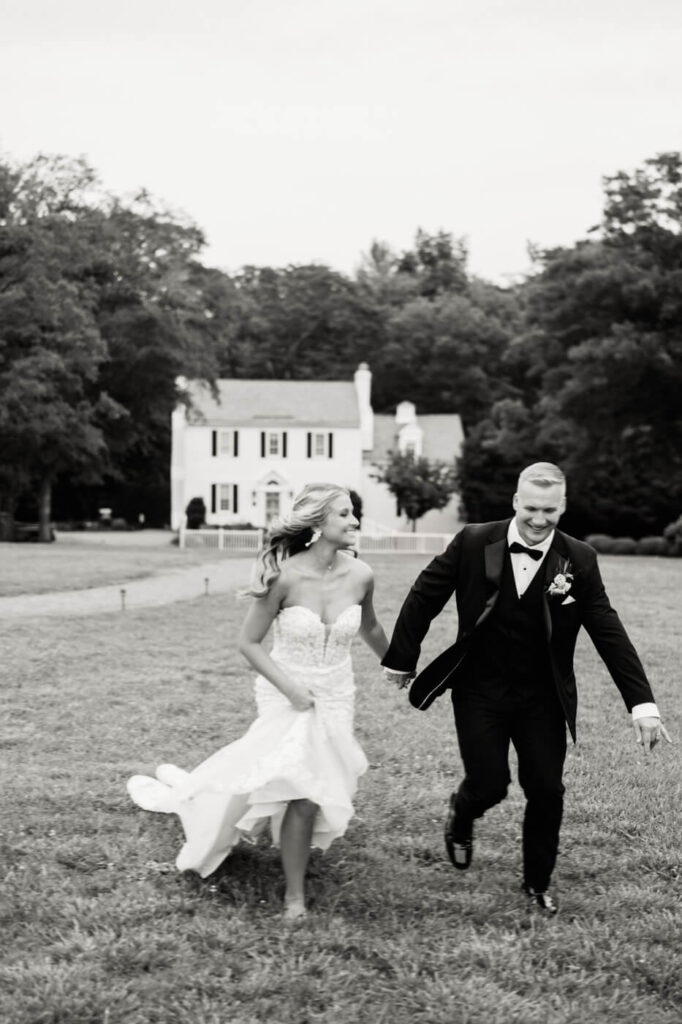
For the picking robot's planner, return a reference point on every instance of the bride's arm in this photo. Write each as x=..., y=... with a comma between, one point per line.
x=371, y=630
x=259, y=618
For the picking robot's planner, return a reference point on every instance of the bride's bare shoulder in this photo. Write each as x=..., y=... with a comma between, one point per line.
x=291, y=568
x=360, y=569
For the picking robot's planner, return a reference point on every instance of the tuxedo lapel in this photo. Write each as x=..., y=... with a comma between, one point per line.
x=494, y=563
x=555, y=562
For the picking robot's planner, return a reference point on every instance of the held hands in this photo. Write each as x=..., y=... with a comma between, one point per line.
x=648, y=731
x=401, y=679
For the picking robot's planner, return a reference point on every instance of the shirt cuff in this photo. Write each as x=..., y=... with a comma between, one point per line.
x=645, y=711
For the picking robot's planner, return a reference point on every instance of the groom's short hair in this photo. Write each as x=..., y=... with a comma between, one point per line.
x=542, y=474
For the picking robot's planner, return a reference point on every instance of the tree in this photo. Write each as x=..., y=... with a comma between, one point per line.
x=445, y=334
x=99, y=313
x=436, y=265
x=437, y=262
x=444, y=355
x=646, y=205
x=418, y=484
x=51, y=415
x=302, y=323
x=152, y=314
x=598, y=366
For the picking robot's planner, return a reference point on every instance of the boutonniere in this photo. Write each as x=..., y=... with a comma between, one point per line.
x=561, y=584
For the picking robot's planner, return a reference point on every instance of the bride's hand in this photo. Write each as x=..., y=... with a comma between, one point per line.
x=301, y=698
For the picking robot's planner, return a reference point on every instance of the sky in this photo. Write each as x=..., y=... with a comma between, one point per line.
x=299, y=131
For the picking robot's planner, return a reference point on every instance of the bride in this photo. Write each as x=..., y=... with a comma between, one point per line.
x=298, y=764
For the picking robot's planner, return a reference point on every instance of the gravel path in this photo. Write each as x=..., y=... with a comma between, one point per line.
x=180, y=585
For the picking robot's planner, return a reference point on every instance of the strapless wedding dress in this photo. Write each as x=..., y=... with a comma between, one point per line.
x=285, y=754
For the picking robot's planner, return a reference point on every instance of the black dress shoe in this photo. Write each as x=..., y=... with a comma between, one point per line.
x=459, y=839
x=541, y=902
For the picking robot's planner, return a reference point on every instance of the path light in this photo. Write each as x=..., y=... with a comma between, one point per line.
x=205, y=586
x=123, y=600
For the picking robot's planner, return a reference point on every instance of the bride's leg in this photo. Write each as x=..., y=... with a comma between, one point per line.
x=297, y=831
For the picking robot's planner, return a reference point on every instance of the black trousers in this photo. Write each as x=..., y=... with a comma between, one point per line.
x=491, y=715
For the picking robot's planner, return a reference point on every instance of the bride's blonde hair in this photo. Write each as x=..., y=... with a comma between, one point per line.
x=292, y=533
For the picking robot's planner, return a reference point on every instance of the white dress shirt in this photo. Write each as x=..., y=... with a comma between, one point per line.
x=523, y=565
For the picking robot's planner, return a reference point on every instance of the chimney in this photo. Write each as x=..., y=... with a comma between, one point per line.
x=363, y=390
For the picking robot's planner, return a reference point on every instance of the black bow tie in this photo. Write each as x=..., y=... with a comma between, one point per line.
x=515, y=547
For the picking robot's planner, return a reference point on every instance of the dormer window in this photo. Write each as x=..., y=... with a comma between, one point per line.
x=410, y=438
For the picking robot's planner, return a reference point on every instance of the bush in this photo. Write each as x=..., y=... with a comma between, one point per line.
x=196, y=513
x=6, y=526
x=623, y=546
x=605, y=545
x=601, y=542
x=653, y=546
x=673, y=535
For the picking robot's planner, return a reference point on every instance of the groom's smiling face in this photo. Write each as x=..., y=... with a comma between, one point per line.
x=538, y=510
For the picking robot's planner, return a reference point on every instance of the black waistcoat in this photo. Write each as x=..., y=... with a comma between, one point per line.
x=512, y=645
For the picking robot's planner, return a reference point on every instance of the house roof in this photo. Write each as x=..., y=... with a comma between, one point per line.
x=242, y=403
x=442, y=438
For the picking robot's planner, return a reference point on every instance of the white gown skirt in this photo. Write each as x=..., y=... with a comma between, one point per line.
x=285, y=755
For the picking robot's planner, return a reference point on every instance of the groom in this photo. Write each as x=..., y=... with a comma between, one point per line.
x=523, y=591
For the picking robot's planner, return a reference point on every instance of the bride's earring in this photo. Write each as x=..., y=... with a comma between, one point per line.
x=315, y=536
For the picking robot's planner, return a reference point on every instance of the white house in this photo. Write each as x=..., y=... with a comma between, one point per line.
x=248, y=448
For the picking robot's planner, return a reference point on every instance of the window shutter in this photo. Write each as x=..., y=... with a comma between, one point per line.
x=284, y=444
x=310, y=445
x=262, y=444
x=214, y=442
x=213, y=498
x=235, y=444
x=331, y=445
x=235, y=501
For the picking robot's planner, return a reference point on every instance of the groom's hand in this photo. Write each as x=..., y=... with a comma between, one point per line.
x=648, y=731
x=401, y=679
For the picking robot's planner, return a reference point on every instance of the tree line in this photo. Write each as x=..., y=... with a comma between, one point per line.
x=105, y=302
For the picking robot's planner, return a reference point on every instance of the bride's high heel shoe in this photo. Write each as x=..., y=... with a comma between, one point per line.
x=294, y=909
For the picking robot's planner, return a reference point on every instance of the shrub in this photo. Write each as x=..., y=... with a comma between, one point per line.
x=653, y=546
x=601, y=542
x=623, y=546
x=605, y=545
x=673, y=534
x=196, y=513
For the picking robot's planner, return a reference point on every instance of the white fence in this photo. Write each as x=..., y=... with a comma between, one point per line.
x=222, y=540
x=403, y=543
x=368, y=543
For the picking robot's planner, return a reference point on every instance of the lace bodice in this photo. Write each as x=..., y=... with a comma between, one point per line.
x=302, y=638
x=316, y=654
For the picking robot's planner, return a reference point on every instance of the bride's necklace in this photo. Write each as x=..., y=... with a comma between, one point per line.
x=326, y=565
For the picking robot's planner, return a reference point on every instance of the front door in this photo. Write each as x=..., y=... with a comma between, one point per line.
x=272, y=504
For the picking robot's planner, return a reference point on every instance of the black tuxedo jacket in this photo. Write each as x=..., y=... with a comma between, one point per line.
x=471, y=568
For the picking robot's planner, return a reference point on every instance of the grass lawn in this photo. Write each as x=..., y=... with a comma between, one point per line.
x=73, y=565
x=97, y=927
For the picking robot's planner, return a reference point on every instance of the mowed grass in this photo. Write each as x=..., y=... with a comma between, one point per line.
x=70, y=564
x=97, y=927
